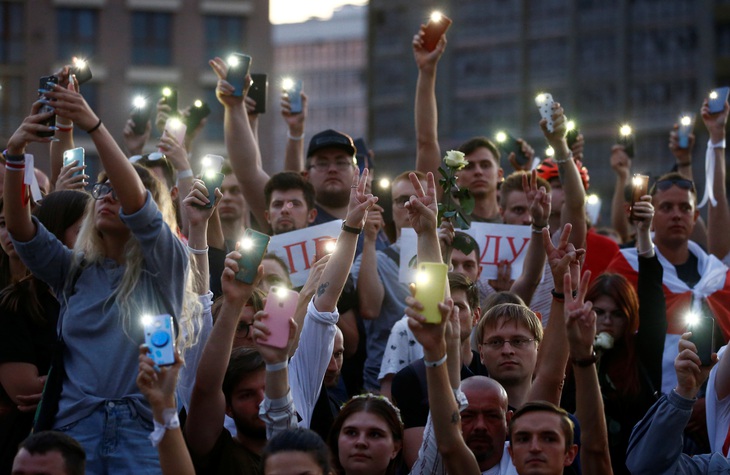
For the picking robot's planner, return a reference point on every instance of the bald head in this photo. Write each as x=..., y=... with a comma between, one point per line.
x=484, y=385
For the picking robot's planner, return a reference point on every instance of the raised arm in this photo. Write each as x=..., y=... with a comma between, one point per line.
x=580, y=320
x=428, y=153
x=335, y=272
x=534, y=266
x=122, y=175
x=243, y=150
x=207, y=403
x=64, y=133
x=177, y=155
x=621, y=165
x=294, y=152
x=422, y=211
x=198, y=216
x=370, y=290
x=718, y=217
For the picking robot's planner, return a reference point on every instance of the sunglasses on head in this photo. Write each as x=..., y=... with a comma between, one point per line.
x=148, y=156
x=683, y=183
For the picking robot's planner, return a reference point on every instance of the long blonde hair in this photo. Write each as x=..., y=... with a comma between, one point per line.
x=89, y=250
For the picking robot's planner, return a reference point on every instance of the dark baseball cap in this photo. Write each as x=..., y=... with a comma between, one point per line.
x=331, y=139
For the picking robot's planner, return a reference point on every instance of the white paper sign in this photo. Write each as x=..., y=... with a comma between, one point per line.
x=497, y=243
x=297, y=248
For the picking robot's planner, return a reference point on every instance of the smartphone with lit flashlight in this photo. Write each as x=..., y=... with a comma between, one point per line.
x=703, y=332
x=198, y=111
x=572, y=136
x=509, y=144
x=685, y=122
x=238, y=66
x=639, y=188
x=74, y=155
x=252, y=248
x=140, y=116
x=281, y=303
x=544, y=102
x=175, y=127
x=45, y=84
x=159, y=336
x=258, y=91
x=717, y=98
x=293, y=88
x=169, y=97
x=81, y=70
x=626, y=138
x=437, y=25
x=431, y=281
x=211, y=175
x=323, y=247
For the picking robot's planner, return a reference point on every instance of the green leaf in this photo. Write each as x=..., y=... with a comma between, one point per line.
x=449, y=214
x=467, y=203
x=443, y=172
x=462, y=221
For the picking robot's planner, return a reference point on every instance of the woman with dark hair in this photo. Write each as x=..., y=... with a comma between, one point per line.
x=28, y=316
x=367, y=436
x=296, y=451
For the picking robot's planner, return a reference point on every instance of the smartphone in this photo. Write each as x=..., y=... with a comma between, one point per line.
x=169, y=97
x=626, y=138
x=431, y=281
x=717, y=98
x=140, y=115
x=198, y=111
x=361, y=153
x=280, y=306
x=175, y=128
x=74, y=155
x=544, y=102
x=572, y=137
x=323, y=247
x=81, y=70
x=159, y=336
x=252, y=247
x=45, y=83
x=238, y=66
x=639, y=188
x=435, y=28
x=509, y=144
x=686, y=122
x=258, y=92
x=293, y=88
x=212, y=176
x=703, y=332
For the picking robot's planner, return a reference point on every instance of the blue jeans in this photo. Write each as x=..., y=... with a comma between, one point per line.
x=115, y=438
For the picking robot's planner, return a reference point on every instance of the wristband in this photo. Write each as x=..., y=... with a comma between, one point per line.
x=184, y=174
x=538, y=229
x=350, y=229
x=64, y=128
x=14, y=158
x=171, y=421
x=560, y=295
x=277, y=366
x=583, y=363
x=646, y=253
x=291, y=137
x=565, y=160
x=720, y=144
x=93, y=129
x=435, y=364
x=19, y=167
x=198, y=252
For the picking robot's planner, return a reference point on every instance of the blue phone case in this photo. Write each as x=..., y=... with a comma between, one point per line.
x=717, y=104
x=159, y=337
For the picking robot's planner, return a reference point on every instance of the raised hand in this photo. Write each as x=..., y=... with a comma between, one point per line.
x=360, y=202
x=564, y=258
x=295, y=122
x=422, y=207
x=643, y=214
x=556, y=138
x=715, y=123
x=224, y=90
x=529, y=153
x=691, y=375
x=538, y=198
x=195, y=203
x=71, y=105
x=68, y=181
x=682, y=155
x=174, y=151
x=427, y=59
x=261, y=331
x=28, y=130
x=430, y=335
x=620, y=162
x=504, y=280
x=157, y=383
x=373, y=223
x=580, y=319
x=235, y=291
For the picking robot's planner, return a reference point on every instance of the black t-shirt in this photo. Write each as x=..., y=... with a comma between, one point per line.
x=688, y=272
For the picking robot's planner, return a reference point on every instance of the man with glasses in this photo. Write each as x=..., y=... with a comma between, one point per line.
x=692, y=279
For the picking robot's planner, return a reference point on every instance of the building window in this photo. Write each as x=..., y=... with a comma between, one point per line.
x=13, y=104
x=223, y=35
x=152, y=38
x=78, y=29
x=12, y=26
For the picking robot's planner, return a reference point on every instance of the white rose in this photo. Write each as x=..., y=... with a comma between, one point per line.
x=603, y=341
x=455, y=159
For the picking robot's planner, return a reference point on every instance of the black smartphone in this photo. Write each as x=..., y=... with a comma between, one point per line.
x=169, y=97
x=81, y=70
x=361, y=151
x=252, y=247
x=45, y=83
x=212, y=176
x=258, y=91
x=639, y=188
x=141, y=112
x=572, y=136
x=238, y=67
x=198, y=111
x=703, y=332
x=509, y=144
x=717, y=98
x=626, y=138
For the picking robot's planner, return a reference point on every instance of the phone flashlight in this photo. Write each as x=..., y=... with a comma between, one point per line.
x=625, y=130
x=691, y=319
x=501, y=137
x=593, y=199
x=81, y=70
x=166, y=91
x=146, y=320
x=329, y=247
x=287, y=84
x=198, y=103
x=713, y=95
x=175, y=124
x=139, y=102
x=640, y=187
x=281, y=292
x=686, y=124
x=233, y=61
x=422, y=278
x=549, y=152
x=384, y=183
x=570, y=125
x=541, y=98
x=626, y=138
x=79, y=63
x=436, y=16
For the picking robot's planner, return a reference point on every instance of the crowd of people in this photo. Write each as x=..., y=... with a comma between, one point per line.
x=583, y=363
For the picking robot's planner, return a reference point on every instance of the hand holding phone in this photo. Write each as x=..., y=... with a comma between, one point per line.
x=169, y=97
x=159, y=337
x=626, y=139
x=686, y=123
x=81, y=70
x=323, y=247
x=211, y=175
x=281, y=303
x=437, y=25
x=544, y=102
x=431, y=282
x=252, y=248
x=140, y=115
x=74, y=155
x=717, y=99
x=293, y=89
x=703, y=331
x=198, y=111
x=174, y=127
x=258, y=91
x=238, y=67
x=45, y=84
x=639, y=188
x=509, y=144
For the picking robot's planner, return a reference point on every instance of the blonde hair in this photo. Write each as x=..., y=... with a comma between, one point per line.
x=89, y=250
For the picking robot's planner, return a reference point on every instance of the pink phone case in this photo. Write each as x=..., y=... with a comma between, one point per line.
x=280, y=306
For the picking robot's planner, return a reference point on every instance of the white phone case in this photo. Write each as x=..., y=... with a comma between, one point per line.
x=545, y=103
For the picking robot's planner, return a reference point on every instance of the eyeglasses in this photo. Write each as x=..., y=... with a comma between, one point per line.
x=683, y=183
x=148, y=156
x=243, y=329
x=324, y=165
x=516, y=343
x=100, y=190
